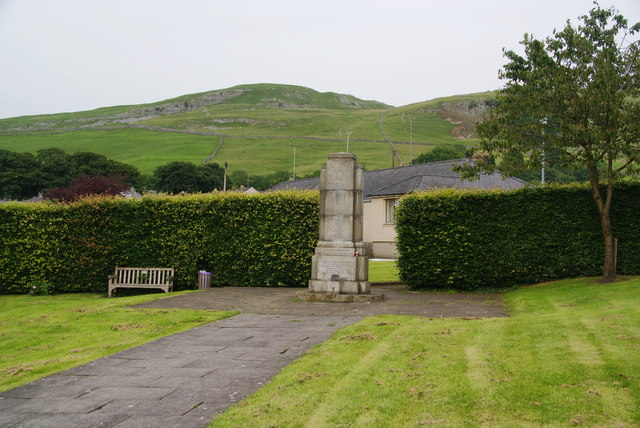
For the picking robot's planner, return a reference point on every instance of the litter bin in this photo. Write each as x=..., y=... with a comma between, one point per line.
x=204, y=280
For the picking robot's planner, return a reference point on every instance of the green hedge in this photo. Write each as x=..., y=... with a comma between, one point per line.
x=257, y=240
x=470, y=240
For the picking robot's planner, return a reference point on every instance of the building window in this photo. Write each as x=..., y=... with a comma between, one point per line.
x=390, y=211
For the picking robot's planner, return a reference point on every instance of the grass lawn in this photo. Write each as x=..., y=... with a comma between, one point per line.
x=41, y=335
x=383, y=271
x=569, y=355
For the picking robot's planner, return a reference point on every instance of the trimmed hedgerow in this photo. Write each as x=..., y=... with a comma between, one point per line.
x=257, y=240
x=468, y=240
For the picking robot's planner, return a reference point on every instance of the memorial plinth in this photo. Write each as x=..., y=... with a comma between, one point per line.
x=339, y=267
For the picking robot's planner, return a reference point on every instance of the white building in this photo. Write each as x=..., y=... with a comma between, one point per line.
x=384, y=187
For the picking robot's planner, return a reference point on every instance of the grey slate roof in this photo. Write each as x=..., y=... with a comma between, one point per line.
x=406, y=179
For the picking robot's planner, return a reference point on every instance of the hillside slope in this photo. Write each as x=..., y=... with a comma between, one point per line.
x=253, y=128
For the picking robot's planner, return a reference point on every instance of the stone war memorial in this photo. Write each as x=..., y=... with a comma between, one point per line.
x=339, y=267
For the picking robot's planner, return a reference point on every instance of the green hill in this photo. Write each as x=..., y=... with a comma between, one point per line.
x=253, y=128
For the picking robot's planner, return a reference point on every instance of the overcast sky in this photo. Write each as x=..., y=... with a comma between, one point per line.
x=70, y=55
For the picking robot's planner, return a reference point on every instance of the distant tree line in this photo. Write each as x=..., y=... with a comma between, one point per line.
x=259, y=182
x=24, y=175
x=65, y=177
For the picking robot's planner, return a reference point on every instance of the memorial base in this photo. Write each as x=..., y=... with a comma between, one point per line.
x=309, y=296
x=339, y=287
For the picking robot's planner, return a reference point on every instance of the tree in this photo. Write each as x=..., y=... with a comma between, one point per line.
x=20, y=177
x=442, y=153
x=94, y=164
x=574, y=96
x=178, y=176
x=240, y=177
x=55, y=166
x=555, y=171
x=211, y=177
x=86, y=185
x=264, y=182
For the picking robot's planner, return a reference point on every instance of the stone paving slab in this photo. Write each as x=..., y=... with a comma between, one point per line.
x=185, y=379
x=182, y=380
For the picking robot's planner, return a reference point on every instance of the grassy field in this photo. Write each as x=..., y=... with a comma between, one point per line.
x=251, y=114
x=148, y=150
x=567, y=356
x=41, y=335
x=144, y=149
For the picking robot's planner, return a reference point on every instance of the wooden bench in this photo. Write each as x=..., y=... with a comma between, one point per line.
x=134, y=277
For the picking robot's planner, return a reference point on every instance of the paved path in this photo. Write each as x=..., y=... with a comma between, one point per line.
x=182, y=380
x=397, y=300
x=185, y=379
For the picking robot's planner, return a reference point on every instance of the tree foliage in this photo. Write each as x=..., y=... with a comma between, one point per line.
x=86, y=185
x=24, y=175
x=94, y=165
x=442, y=153
x=555, y=170
x=179, y=176
x=259, y=182
x=19, y=175
x=573, y=96
x=56, y=167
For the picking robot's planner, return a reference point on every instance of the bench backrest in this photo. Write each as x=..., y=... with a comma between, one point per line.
x=143, y=276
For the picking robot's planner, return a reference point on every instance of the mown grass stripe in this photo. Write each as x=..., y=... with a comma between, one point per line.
x=517, y=371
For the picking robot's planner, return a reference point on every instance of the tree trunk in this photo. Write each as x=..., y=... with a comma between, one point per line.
x=609, y=271
x=604, y=208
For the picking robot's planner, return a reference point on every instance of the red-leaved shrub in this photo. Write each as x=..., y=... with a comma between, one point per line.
x=86, y=185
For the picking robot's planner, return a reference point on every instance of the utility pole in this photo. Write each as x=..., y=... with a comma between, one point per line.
x=294, y=163
x=411, y=140
x=348, y=134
